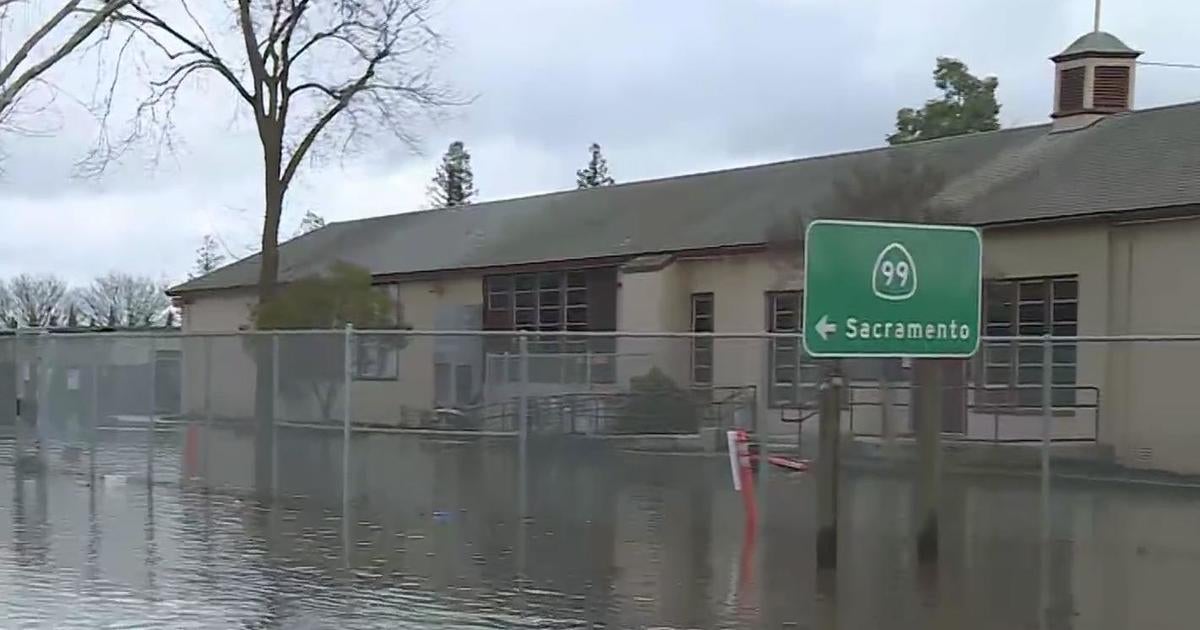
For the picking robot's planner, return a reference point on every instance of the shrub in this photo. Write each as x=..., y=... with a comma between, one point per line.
x=657, y=405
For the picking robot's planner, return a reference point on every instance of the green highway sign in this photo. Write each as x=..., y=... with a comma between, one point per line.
x=891, y=289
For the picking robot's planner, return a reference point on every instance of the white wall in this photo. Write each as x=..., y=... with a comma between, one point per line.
x=1154, y=385
x=232, y=372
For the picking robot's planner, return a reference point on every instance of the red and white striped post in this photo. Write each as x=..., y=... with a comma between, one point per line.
x=740, y=467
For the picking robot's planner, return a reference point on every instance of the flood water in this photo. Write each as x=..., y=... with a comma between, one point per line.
x=613, y=539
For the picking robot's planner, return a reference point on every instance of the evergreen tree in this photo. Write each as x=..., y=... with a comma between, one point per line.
x=453, y=184
x=208, y=256
x=595, y=173
x=968, y=104
x=311, y=221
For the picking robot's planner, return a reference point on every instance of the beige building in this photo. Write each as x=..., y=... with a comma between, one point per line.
x=1090, y=227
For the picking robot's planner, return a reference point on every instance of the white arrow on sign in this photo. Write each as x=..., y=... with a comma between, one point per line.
x=825, y=327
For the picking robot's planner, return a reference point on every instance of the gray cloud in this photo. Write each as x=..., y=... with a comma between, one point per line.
x=668, y=86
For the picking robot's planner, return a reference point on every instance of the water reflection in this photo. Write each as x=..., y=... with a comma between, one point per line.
x=436, y=539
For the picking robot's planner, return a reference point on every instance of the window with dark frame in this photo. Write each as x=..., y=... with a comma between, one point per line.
x=702, y=347
x=1012, y=372
x=547, y=301
x=554, y=301
x=793, y=378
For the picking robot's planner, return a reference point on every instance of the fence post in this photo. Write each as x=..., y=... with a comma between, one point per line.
x=587, y=365
x=94, y=428
x=764, y=476
x=346, y=355
x=749, y=423
x=1047, y=416
x=208, y=413
x=275, y=413
x=41, y=373
x=153, y=346
x=829, y=434
x=46, y=397
x=1047, y=413
x=523, y=424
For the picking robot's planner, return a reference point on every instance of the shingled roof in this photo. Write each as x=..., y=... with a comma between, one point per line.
x=1096, y=43
x=1138, y=160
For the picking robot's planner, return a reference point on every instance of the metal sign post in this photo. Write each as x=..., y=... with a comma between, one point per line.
x=890, y=290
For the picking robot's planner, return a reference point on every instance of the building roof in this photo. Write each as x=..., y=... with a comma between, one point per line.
x=1138, y=160
x=1097, y=43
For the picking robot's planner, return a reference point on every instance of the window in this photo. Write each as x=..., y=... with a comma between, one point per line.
x=453, y=384
x=702, y=347
x=442, y=386
x=1030, y=307
x=792, y=377
x=375, y=358
x=577, y=300
x=545, y=301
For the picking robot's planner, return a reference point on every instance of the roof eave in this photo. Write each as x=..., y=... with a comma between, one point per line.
x=1095, y=54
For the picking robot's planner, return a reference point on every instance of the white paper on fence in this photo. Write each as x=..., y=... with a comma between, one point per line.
x=734, y=467
x=73, y=379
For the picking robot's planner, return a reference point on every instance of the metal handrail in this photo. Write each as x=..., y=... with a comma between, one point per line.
x=996, y=410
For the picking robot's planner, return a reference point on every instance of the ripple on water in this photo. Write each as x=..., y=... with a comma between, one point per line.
x=642, y=542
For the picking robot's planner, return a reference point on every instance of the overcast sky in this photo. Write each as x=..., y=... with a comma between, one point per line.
x=666, y=86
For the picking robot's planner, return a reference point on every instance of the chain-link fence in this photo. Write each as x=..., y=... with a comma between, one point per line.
x=343, y=416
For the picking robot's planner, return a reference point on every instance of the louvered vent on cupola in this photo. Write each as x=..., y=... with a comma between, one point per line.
x=1093, y=78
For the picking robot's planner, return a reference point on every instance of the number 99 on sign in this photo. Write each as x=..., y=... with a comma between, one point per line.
x=895, y=274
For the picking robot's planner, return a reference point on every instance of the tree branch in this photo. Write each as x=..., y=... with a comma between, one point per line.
x=342, y=102
x=10, y=91
x=23, y=52
x=257, y=70
x=150, y=19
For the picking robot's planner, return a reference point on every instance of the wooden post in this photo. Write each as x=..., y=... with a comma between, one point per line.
x=828, y=457
x=928, y=411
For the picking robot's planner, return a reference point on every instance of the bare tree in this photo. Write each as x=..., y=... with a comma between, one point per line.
x=313, y=75
x=36, y=37
x=8, y=311
x=123, y=300
x=37, y=300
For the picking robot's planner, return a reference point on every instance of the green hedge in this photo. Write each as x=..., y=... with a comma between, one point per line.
x=657, y=405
